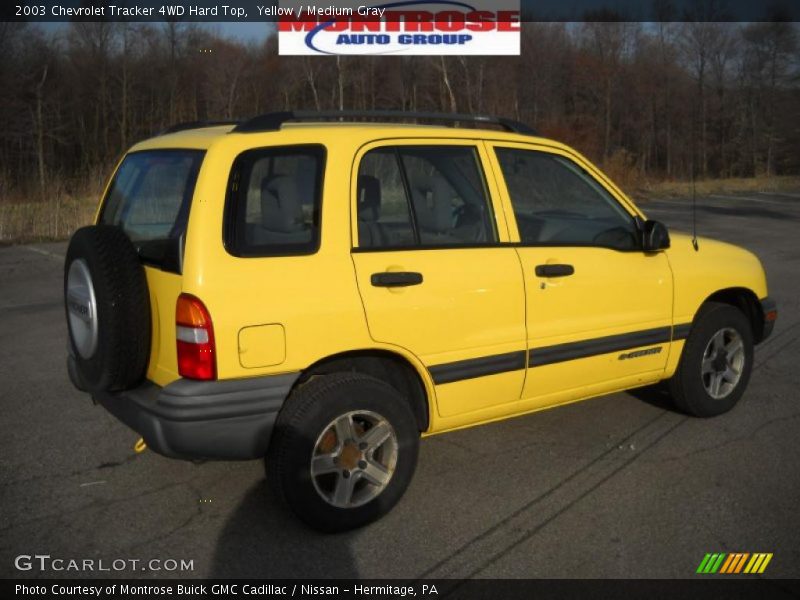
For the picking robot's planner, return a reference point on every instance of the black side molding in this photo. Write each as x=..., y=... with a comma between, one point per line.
x=681, y=332
x=477, y=367
x=548, y=355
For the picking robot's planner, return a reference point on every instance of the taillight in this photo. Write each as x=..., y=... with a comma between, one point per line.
x=195, y=337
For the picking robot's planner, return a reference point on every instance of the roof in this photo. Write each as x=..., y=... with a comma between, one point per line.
x=204, y=134
x=203, y=138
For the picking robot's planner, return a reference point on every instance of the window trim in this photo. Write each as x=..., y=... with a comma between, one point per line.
x=396, y=146
x=412, y=210
x=626, y=208
x=231, y=210
x=357, y=250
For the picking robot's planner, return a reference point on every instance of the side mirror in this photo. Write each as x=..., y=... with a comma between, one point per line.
x=655, y=236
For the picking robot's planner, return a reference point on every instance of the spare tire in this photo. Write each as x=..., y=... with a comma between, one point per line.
x=108, y=310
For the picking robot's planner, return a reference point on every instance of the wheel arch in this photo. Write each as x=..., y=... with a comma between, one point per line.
x=391, y=367
x=745, y=300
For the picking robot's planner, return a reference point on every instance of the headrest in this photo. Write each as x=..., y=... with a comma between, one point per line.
x=369, y=198
x=280, y=204
x=432, y=196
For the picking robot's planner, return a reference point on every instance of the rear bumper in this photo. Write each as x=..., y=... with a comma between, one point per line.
x=224, y=420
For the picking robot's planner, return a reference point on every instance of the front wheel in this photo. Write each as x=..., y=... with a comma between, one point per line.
x=343, y=451
x=716, y=363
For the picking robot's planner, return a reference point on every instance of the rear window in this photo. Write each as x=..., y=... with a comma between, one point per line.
x=149, y=198
x=274, y=201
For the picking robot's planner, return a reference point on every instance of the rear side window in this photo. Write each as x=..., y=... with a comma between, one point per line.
x=150, y=194
x=423, y=196
x=274, y=199
x=384, y=215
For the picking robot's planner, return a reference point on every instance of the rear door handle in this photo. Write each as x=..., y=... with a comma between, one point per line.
x=396, y=279
x=554, y=270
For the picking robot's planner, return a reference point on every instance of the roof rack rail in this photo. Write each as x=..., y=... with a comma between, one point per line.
x=195, y=125
x=274, y=121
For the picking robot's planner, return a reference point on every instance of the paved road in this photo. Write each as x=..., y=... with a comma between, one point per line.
x=619, y=486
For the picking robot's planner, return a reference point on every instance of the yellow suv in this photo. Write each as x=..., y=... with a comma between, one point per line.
x=321, y=288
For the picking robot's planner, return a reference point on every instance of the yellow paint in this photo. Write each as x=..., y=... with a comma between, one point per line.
x=474, y=302
x=164, y=290
x=262, y=346
x=759, y=559
x=765, y=562
x=750, y=564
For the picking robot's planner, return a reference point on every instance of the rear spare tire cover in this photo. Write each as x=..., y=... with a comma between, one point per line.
x=108, y=309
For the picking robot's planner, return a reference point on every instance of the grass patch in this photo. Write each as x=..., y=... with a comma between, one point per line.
x=707, y=187
x=46, y=220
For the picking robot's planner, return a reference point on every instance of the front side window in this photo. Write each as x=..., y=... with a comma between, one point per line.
x=274, y=201
x=423, y=196
x=557, y=203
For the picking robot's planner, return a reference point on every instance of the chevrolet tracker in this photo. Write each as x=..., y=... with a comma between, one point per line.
x=321, y=294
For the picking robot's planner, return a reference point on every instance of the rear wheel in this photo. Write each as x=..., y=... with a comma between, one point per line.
x=343, y=451
x=716, y=362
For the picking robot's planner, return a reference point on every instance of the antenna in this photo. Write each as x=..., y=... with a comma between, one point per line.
x=694, y=216
x=694, y=207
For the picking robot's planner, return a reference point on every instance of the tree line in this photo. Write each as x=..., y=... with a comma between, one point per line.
x=657, y=100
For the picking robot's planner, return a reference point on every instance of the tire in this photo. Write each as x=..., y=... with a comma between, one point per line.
x=305, y=427
x=108, y=310
x=703, y=360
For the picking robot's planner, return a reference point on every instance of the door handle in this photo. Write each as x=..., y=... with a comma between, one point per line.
x=396, y=279
x=554, y=270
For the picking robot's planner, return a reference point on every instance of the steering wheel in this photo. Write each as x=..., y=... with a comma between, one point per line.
x=616, y=237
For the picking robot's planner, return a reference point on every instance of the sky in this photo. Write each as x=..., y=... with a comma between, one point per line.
x=255, y=32
x=247, y=32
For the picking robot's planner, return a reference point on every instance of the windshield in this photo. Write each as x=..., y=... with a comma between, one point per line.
x=149, y=198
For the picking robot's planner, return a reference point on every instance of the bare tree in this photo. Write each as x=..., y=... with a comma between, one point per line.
x=771, y=54
x=654, y=99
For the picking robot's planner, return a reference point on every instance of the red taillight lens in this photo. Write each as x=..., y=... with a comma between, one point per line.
x=195, y=337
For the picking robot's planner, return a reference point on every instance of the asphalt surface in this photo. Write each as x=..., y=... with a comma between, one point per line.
x=619, y=486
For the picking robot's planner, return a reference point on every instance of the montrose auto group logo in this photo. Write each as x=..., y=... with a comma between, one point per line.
x=403, y=27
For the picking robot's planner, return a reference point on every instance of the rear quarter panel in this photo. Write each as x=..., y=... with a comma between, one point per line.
x=164, y=289
x=314, y=298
